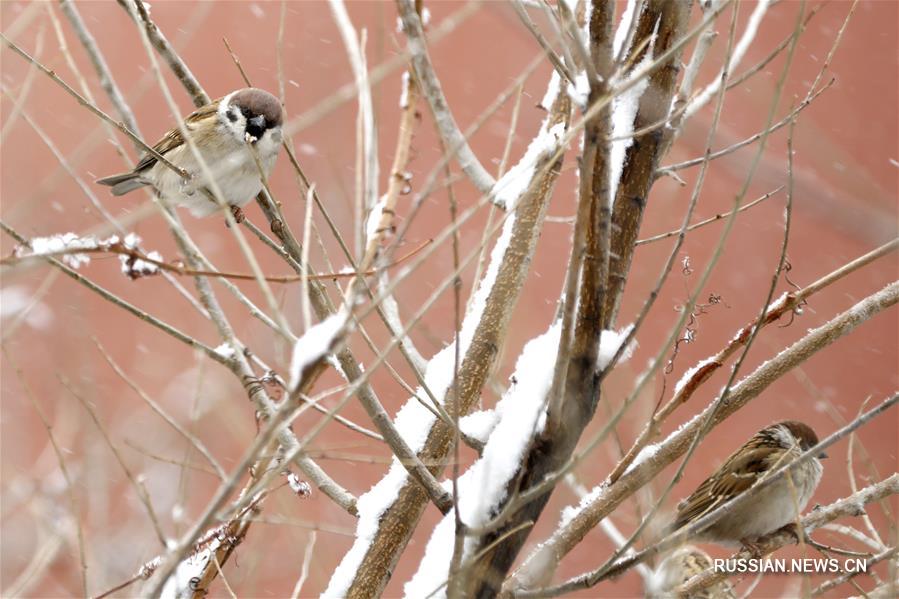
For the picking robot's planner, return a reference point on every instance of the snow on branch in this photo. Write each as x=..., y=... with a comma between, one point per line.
x=414, y=422
x=509, y=189
x=521, y=413
x=73, y=250
x=313, y=345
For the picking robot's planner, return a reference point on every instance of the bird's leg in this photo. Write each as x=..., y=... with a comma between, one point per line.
x=753, y=547
x=793, y=529
x=237, y=213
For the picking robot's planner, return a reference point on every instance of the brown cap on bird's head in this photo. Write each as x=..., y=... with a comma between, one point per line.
x=254, y=102
x=803, y=433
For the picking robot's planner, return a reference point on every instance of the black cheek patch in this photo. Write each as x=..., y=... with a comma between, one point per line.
x=255, y=130
x=231, y=116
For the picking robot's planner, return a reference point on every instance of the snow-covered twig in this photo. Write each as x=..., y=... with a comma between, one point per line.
x=383, y=510
x=116, y=300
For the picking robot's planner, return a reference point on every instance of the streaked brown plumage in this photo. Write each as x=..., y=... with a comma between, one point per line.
x=679, y=567
x=773, y=507
x=221, y=131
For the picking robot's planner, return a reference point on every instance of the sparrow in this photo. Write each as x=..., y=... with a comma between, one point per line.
x=773, y=507
x=678, y=568
x=226, y=132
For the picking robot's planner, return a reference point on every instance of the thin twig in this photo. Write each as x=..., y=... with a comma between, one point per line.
x=711, y=220
x=91, y=107
x=433, y=92
x=67, y=476
x=139, y=489
x=193, y=440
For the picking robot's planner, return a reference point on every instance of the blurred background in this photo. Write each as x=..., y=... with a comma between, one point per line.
x=844, y=205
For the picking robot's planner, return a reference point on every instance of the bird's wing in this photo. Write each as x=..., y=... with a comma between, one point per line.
x=739, y=472
x=174, y=139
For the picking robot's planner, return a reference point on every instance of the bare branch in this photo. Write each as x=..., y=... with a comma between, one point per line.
x=162, y=45
x=424, y=71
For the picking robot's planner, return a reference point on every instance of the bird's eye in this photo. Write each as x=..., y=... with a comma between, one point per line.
x=231, y=116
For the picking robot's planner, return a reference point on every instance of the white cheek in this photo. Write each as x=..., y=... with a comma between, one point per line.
x=270, y=142
x=232, y=130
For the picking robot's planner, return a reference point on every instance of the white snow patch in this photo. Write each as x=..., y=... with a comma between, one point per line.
x=624, y=25
x=610, y=341
x=300, y=487
x=521, y=413
x=179, y=583
x=644, y=454
x=225, y=350
x=58, y=244
x=509, y=189
x=569, y=513
x=579, y=91
x=678, y=387
x=552, y=91
x=314, y=344
x=404, y=94
x=478, y=425
x=138, y=267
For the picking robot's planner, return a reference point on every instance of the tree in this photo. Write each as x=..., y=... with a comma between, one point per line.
x=622, y=87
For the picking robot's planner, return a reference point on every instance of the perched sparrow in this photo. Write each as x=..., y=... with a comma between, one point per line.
x=221, y=131
x=773, y=507
x=678, y=568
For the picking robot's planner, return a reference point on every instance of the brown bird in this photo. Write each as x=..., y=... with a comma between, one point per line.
x=773, y=507
x=678, y=568
x=226, y=133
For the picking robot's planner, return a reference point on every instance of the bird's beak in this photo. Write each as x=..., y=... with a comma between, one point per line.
x=258, y=121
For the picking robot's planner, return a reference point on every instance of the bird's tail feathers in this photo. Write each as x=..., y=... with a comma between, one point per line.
x=122, y=184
